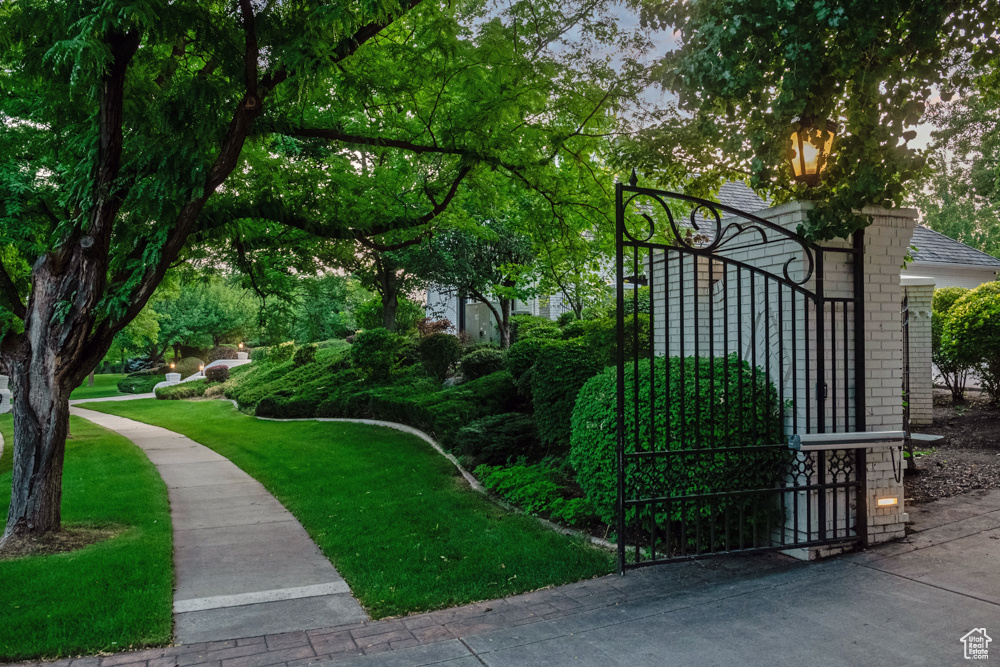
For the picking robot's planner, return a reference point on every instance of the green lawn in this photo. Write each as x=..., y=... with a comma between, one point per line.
x=105, y=384
x=109, y=596
x=393, y=515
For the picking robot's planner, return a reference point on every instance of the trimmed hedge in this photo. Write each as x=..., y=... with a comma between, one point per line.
x=222, y=352
x=498, y=439
x=438, y=352
x=747, y=414
x=481, y=363
x=217, y=373
x=192, y=389
x=562, y=367
x=140, y=383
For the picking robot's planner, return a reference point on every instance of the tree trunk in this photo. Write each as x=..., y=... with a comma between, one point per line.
x=90, y=378
x=504, y=324
x=41, y=422
x=390, y=304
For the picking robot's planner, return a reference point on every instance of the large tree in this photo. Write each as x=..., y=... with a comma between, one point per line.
x=132, y=129
x=745, y=72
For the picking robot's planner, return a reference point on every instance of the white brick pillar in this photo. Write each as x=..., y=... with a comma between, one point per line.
x=920, y=295
x=887, y=241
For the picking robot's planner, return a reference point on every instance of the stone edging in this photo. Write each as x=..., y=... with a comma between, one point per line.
x=473, y=482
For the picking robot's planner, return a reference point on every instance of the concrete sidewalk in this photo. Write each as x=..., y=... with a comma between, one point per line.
x=127, y=397
x=244, y=565
x=905, y=603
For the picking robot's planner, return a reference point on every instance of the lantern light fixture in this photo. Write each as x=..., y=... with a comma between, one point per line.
x=811, y=146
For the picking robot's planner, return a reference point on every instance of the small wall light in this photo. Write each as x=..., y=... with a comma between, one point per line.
x=811, y=144
x=887, y=502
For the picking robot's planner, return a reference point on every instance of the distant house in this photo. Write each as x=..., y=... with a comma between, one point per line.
x=949, y=262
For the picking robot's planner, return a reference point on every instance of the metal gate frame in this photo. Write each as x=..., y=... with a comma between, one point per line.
x=851, y=461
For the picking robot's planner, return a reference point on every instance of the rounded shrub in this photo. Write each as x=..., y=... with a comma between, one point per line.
x=532, y=326
x=438, y=352
x=953, y=365
x=972, y=333
x=566, y=318
x=374, y=353
x=217, y=373
x=521, y=355
x=945, y=297
x=305, y=355
x=747, y=414
x=497, y=439
x=481, y=363
x=408, y=353
x=561, y=368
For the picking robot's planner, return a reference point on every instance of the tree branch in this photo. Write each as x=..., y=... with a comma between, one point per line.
x=9, y=290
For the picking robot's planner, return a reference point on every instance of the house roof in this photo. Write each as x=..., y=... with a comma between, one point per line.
x=932, y=247
x=936, y=248
x=738, y=195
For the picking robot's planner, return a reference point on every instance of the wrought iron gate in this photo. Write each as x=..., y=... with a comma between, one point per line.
x=742, y=338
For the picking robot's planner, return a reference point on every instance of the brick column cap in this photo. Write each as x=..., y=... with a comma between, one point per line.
x=917, y=281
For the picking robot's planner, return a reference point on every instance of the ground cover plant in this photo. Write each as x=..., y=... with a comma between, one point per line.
x=105, y=384
x=374, y=495
x=109, y=596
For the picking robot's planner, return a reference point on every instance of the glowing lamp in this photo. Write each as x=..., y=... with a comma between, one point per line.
x=201, y=367
x=887, y=502
x=811, y=144
x=241, y=346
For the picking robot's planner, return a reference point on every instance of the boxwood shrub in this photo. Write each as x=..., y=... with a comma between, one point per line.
x=481, y=363
x=438, y=352
x=532, y=326
x=747, y=414
x=561, y=368
x=305, y=355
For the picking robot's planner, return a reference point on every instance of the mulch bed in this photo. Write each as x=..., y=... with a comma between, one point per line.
x=967, y=459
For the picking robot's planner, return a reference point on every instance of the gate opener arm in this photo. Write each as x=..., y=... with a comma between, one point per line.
x=812, y=442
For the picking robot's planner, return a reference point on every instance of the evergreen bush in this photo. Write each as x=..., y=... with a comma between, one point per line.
x=140, y=383
x=217, y=373
x=497, y=439
x=481, y=363
x=374, y=353
x=305, y=355
x=746, y=413
x=560, y=369
x=438, y=352
x=192, y=389
x=523, y=327
x=222, y=352
x=279, y=354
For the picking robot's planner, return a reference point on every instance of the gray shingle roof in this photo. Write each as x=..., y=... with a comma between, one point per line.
x=738, y=195
x=934, y=247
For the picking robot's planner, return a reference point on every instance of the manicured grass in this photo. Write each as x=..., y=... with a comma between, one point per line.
x=110, y=596
x=393, y=515
x=105, y=384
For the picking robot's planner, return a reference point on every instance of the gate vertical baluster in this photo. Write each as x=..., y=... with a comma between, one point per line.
x=652, y=388
x=635, y=384
x=620, y=295
x=820, y=393
x=833, y=366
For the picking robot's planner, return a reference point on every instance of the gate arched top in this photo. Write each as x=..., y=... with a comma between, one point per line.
x=722, y=232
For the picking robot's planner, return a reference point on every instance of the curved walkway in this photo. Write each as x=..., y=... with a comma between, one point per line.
x=244, y=565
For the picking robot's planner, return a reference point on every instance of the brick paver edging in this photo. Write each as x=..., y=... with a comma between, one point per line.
x=323, y=645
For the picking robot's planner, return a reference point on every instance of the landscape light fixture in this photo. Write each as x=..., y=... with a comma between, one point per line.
x=241, y=346
x=887, y=502
x=811, y=144
x=201, y=367
x=171, y=365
